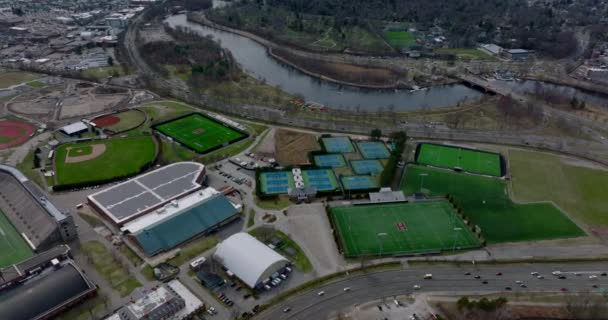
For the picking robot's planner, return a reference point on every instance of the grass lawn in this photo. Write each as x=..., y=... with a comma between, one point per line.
x=251, y=218
x=92, y=308
x=468, y=160
x=80, y=151
x=130, y=255
x=104, y=72
x=390, y=229
x=8, y=79
x=275, y=204
x=486, y=202
x=400, y=39
x=299, y=259
x=13, y=247
x=36, y=84
x=27, y=167
x=200, y=133
x=578, y=190
x=109, y=268
x=193, y=249
x=470, y=53
x=122, y=157
x=128, y=120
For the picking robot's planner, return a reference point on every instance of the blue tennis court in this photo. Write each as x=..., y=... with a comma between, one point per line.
x=320, y=179
x=338, y=145
x=330, y=161
x=373, y=150
x=367, y=166
x=359, y=183
x=276, y=182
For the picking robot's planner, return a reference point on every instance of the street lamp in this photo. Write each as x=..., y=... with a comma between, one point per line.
x=422, y=180
x=455, y=237
x=381, y=234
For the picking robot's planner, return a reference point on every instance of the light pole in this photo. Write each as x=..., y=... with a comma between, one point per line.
x=455, y=237
x=381, y=234
x=422, y=180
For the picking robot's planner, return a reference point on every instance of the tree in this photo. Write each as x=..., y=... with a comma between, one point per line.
x=376, y=134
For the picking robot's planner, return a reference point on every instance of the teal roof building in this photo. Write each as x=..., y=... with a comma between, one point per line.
x=182, y=220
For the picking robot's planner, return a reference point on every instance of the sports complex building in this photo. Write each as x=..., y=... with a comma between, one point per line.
x=29, y=222
x=43, y=286
x=166, y=207
x=249, y=259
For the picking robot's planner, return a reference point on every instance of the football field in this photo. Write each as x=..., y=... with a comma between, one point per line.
x=468, y=160
x=13, y=248
x=401, y=228
x=487, y=203
x=200, y=133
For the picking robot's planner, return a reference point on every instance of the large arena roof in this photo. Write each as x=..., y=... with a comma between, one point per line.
x=248, y=258
x=41, y=297
x=181, y=220
x=128, y=200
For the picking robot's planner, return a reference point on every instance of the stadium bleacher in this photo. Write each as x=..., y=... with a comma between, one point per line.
x=27, y=216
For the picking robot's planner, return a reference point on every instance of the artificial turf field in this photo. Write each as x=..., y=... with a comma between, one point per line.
x=122, y=158
x=486, y=202
x=400, y=39
x=451, y=157
x=13, y=247
x=401, y=228
x=199, y=133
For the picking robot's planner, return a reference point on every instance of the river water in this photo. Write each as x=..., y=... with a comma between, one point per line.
x=255, y=61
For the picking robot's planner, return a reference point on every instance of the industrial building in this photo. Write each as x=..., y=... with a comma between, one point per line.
x=136, y=197
x=249, y=259
x=181, y=220
x=171, y=301
x=39, y=222
x=74, y=128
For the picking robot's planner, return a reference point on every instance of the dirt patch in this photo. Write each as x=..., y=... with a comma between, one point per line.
x=198, y=131
x=106, y=121
x=266, y=148
x=15, y=133
x=97, y=150
x=292, y=147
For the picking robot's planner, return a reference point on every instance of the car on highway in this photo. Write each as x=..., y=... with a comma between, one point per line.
x=467, y=274
x=556, y=273
x=477, y=277
x=428, y=276
x=563, y=289
x=534, y=273
x=321, y=293
x=416, y=287
x=592, y=277
x=346, y=289
x=485, y=282
x=508, y=288
x=499, y=274
x=562, y=277
x=523, y=285
x=287, y=309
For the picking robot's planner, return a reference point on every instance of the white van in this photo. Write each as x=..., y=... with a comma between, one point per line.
x=428, y=276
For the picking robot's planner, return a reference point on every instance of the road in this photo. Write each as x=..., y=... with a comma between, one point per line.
x=387, y=284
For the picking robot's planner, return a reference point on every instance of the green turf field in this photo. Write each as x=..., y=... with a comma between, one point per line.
x=13, y=247
x=80, y=151
x=425, y=227
x=199, y=133
x=486, y=202
x=122, y=157
x=469, y=160
x=128, y=120
x=578, y=190
x=400, y=39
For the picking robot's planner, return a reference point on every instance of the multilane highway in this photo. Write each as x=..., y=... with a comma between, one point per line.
x=387, y=284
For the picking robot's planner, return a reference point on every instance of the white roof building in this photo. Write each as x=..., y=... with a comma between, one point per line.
x=248, y=258
x=491, y=48
x=74, y=128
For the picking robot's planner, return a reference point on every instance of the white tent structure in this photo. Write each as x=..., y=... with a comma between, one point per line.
x=248, y=258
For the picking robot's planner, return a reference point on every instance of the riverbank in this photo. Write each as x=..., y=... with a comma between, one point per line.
x=589, y=87
x=322, y=69
x=396, y=75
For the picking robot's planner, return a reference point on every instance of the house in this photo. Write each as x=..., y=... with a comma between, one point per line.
x=491, y=49
x=517, y=54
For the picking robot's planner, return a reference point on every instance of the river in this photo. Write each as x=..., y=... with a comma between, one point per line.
x=254, y=59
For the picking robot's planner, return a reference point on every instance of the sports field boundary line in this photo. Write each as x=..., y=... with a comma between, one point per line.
x=245, y=135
